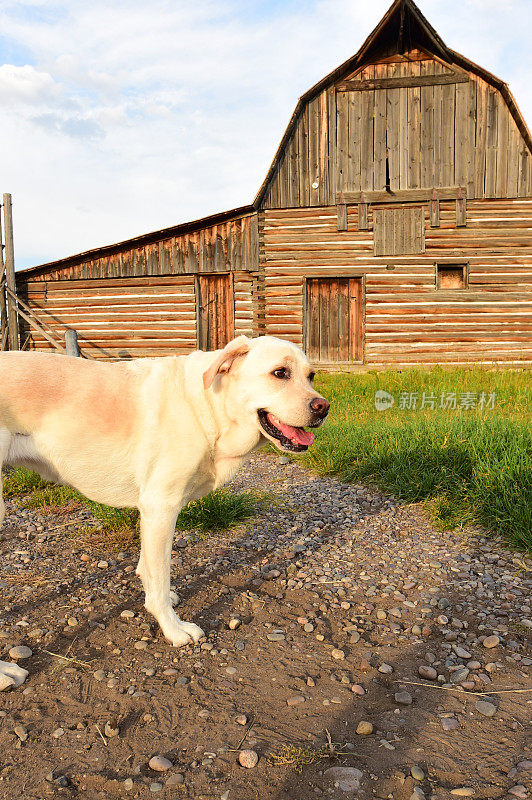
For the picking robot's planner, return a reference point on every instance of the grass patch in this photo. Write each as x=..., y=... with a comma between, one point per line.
x=18, y=482
x=219, y=510
x=470, y=464
x=216, y=511
x=52, y=497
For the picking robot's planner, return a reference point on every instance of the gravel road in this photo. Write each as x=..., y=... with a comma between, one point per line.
x=340, y=622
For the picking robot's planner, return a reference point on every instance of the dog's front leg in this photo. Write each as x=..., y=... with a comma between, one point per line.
x=156, y=532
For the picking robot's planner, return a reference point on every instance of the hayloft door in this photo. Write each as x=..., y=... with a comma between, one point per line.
x=334, y=320
x=215, y=314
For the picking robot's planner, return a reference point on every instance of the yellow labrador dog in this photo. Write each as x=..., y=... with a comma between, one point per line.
x=155, y=433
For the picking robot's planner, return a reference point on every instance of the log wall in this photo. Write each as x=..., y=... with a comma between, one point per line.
x=407, y=320
x=226, y=246
x=127, y=317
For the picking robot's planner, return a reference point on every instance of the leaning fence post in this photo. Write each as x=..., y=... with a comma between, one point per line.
x=11, y=284
x=71, y=342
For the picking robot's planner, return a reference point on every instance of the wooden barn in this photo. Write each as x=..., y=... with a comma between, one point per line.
x=394, y=227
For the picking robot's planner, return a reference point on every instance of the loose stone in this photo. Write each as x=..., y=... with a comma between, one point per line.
x=296, y=700
x=20, y=652
x=346, y=779
x=491, y=641
x=403, y=698
x=339, y=655
x=159, y=763
x=485, y=708
x=248, y=758
x=417, y=773
x=427, y=672
x=364, y=728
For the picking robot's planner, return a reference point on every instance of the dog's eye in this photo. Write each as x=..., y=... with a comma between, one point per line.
x=312, y=376
x=282, y=373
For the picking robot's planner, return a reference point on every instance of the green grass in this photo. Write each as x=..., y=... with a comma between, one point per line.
x=218, y=510
x=19, y=482
x=468, y=464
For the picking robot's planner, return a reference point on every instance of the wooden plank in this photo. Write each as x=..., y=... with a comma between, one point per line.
x=427, y=133
x=343, y=320
x=434, y=210
x=503, y=119
x=403, y=139
x=323, y=134
x=334, y=320
x=324, y=320
x=363, y=217
x=403, y=195
x=461, y=212
x=379, y=141
x=461, y=133
x=481, y=133
x=448, y=125
x=341, y=209
x=403, y=82
x=331, y=144
x=367, y=150
x=354, y=142
x=392, y=131
x=471, y=138
x=491, y=144
x=313, y=155
x=313, y=320
x=342, y=137
x=513, y=159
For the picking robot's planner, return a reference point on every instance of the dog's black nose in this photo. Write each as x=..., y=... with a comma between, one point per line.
x=320, y=406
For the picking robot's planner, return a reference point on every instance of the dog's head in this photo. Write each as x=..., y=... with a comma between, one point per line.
x=268, y=383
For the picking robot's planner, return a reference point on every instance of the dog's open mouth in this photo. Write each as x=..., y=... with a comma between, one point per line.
x=289, y=438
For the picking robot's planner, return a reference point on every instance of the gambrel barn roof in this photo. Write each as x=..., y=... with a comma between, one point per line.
x=401, y=29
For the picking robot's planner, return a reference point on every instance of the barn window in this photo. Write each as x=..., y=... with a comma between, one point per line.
x=451, y=276
x=398, y=230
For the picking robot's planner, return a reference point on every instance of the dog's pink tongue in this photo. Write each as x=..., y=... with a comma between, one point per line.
x=298, y=435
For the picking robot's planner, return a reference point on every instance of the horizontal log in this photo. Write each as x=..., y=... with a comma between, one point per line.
x=404, y=195
x=402, y=82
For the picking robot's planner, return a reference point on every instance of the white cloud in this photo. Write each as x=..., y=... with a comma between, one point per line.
x=127, y=117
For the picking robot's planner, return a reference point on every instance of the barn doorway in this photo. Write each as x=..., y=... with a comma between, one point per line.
x=215, y=311
x=335, y=320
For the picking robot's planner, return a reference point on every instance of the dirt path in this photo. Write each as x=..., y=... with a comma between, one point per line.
x=339, y=595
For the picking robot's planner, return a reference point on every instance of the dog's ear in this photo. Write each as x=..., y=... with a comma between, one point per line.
x=223, y=362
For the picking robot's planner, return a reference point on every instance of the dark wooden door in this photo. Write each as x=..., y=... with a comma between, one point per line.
x=216, y=324
x=335, y=319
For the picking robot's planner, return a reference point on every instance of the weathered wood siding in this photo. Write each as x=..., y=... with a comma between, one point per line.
x=408, y=320
x=227, y=246
x=447, y=134
x=128, y=317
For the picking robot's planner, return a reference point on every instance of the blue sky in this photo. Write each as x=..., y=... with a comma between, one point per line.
x=123, y=117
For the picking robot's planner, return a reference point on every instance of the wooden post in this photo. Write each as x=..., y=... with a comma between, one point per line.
x=71, y=342
x=10, y=276
x=341, y=210
x=3, y=303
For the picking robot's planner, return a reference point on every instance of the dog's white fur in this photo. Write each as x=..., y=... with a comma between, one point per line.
x=152, y=433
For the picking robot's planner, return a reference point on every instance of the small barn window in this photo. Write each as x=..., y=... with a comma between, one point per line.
x=398, y=230
x=451, y=276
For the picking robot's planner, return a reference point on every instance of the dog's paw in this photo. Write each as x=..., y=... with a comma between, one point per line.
x=194, y=631
x=184, y=633
x=11, y=675
x=174, y=598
